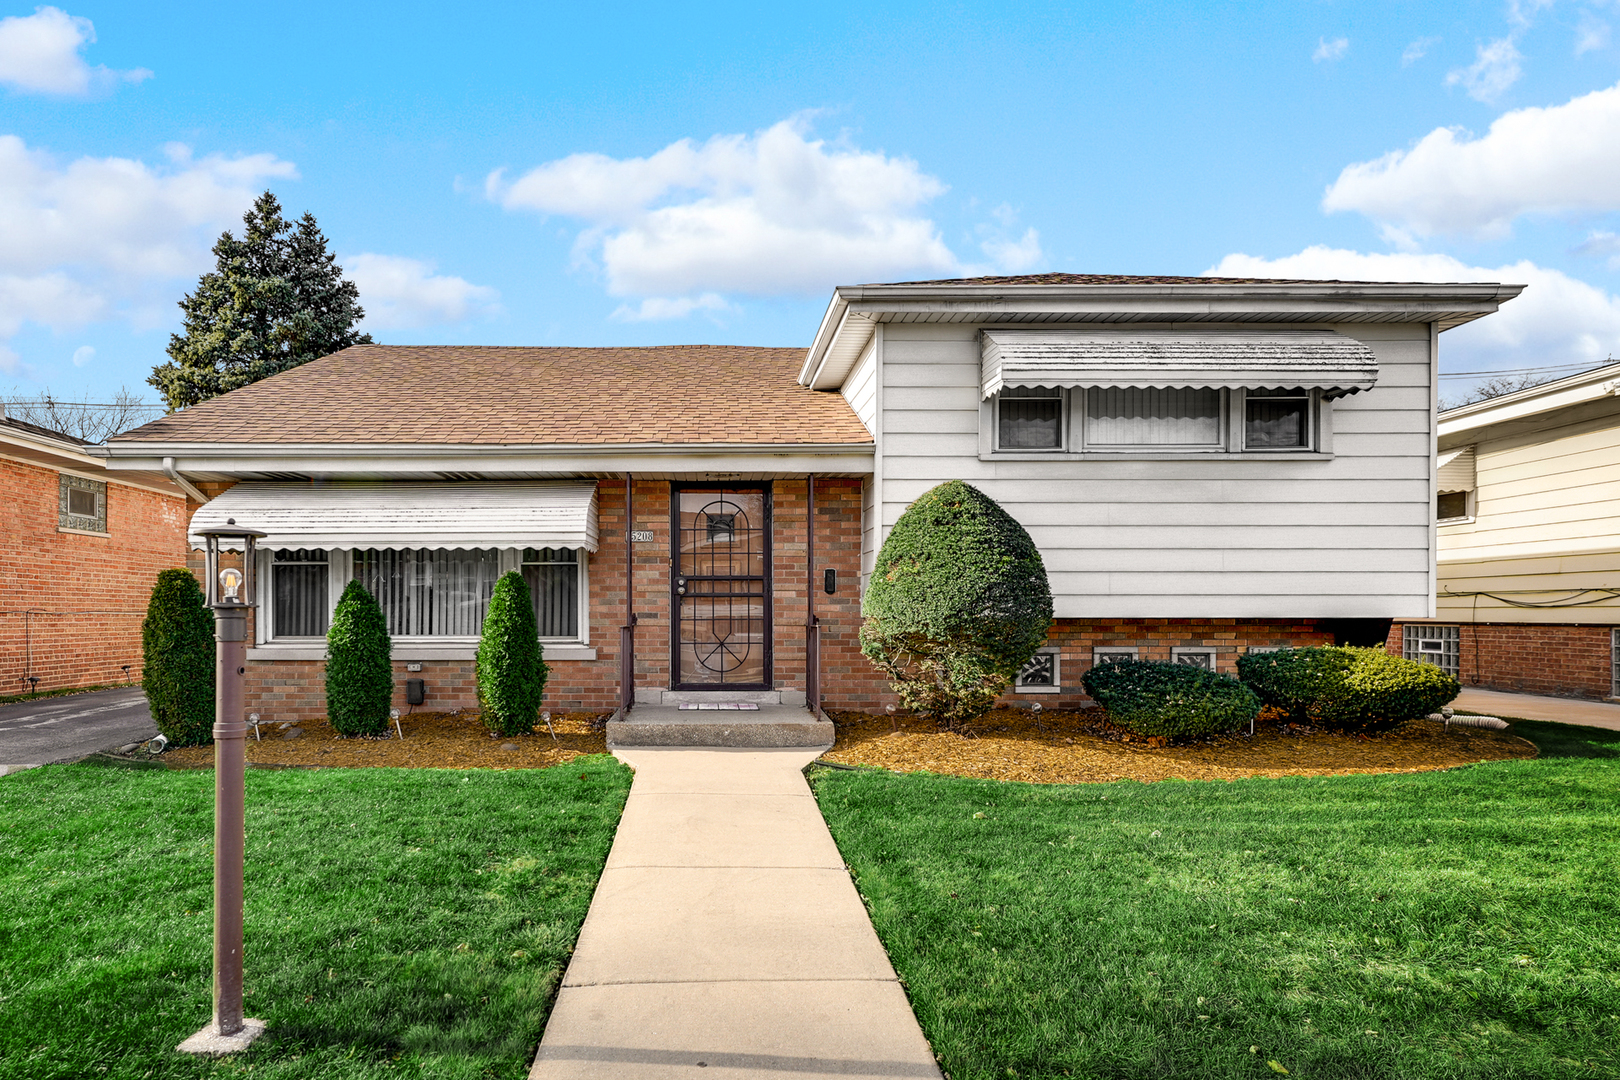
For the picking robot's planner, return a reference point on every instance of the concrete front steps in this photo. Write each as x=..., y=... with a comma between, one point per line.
x=772, y=723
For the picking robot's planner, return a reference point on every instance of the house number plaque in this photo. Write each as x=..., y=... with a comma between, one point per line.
x=641, y=536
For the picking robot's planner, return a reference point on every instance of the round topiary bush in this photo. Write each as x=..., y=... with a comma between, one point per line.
x=1345, y=687
x=177, y=649
x=359, y=665
x=511, y=667
x=958, y=602
x=1176, y=701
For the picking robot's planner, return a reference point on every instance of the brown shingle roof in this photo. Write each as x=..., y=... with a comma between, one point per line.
x=525, y=396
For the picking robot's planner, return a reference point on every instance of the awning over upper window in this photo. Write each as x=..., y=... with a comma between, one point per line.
x=1254, y=360
x=1456, y=469
x=409, y=515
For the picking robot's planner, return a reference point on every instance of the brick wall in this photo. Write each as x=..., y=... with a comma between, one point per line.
x=1561, y=659
x=73, y=602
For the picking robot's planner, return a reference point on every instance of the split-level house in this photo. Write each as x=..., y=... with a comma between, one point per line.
x=1528, y=594
x=1208, y=466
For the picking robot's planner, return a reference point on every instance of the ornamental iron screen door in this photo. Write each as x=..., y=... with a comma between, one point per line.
x=721, y=587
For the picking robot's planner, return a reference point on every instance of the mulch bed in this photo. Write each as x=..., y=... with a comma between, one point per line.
x=1083, y=747
x=433, y=740
x=1008, y=744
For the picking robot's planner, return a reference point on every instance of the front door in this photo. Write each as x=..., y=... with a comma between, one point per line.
x=721, y=585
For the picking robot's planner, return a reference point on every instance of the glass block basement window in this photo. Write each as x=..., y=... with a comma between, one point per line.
x=1437, y=645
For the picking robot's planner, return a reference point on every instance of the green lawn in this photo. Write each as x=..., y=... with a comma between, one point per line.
x=399, y=922
x=1463, y=924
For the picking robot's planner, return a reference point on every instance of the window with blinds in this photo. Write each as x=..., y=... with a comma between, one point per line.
x=1154, y=417
x=298, y=589
x=430, y=592
x=553, y=577
x=1029, y=418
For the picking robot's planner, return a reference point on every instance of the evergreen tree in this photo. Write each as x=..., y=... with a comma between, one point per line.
x=510, y=666
x=177, y=647
x=957, y=604
x=275, y=299
x=359, y=669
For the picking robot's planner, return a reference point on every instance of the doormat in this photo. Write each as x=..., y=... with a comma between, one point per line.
x=731, y=706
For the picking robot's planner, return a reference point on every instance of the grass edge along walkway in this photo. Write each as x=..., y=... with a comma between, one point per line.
x=399, y=922
x=1458, y=924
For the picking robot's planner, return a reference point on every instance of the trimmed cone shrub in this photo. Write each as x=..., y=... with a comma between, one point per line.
x=511, y=667
x=359, y=666
x=1177, y=701
x=957, y=604
x=1345, y=687
x=177, y=650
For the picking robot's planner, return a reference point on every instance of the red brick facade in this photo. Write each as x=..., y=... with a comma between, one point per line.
x=71, y=603
x=295, y=689
x=1561, y=659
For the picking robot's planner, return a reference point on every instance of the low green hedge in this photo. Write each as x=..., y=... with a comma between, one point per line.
x=1179, y=701
x=1345, y=687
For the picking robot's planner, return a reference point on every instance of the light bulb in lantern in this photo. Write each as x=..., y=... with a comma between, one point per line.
x=230, y=581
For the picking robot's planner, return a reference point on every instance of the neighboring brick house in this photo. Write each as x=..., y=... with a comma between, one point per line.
x=1207, y=465
x=1528, y=517
x=81, y=549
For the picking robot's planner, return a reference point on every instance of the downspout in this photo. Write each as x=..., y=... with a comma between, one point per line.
x=629, y=556
x=181, y=482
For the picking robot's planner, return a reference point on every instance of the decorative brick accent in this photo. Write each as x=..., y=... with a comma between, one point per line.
x=1561, y=659
x=71, y=603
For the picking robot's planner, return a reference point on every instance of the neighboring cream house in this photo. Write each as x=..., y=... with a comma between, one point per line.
x=1208, y=466
x=1528, y=510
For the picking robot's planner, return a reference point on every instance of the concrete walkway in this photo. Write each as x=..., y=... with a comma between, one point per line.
x=1538, y=707
x=726, y=939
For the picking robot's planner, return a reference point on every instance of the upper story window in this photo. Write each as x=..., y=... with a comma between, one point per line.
x=1030, y=418
x=82, y=504
x=1452, y=506
x=1126, y=420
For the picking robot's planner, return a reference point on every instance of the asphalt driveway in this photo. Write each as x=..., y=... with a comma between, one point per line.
x=49, y=730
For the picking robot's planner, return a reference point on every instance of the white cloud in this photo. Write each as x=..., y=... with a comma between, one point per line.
x=1536, y=160
x=100, y=237
x=1417, y=50
x=777, y=212
x=399, y=293
x=1330, y=50
x=40, y=53
x=1591, y=34
x=1556, y=320
x=83, y=355
x=1602, y=243
x=658, y=308
x=1495, y=68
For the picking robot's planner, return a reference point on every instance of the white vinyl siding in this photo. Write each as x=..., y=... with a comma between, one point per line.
x=860, y=388
x=1257, y=536
x=1545, y=525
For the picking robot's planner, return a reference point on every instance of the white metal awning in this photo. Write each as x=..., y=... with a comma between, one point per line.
x=409, y=515
x=1456, y=469
x=1254, y=360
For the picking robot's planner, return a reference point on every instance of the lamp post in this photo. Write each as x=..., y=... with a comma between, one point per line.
x=230, y=592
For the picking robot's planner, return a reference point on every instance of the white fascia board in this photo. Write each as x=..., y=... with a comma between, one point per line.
x=1417, y=303
x=1577, y=389
x=832, y=320
x=419, y=460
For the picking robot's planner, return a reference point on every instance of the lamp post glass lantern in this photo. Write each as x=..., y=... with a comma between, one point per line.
x=230, y=593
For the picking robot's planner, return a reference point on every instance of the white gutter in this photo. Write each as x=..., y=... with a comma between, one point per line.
x=1576, y=389
x=181, y=482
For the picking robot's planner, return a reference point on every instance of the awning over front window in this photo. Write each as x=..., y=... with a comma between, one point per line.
x=1254, y=360
x=409, y=515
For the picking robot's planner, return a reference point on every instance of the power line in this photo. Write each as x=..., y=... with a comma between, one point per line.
x=1519, y=371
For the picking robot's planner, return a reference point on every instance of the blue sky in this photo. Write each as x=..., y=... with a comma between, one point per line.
x=643, y=175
